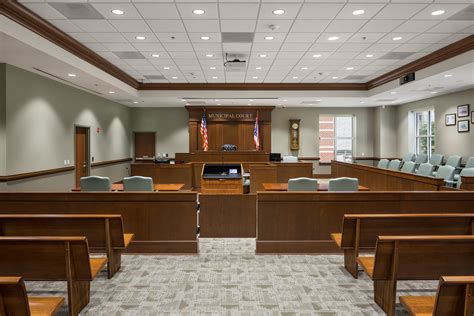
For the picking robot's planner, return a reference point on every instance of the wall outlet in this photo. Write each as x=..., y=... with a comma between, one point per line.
x=65, y=162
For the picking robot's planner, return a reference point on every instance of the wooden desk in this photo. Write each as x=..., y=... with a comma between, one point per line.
x=284, y=187
x=163, y=173
x=156, y=187
x=378, y=179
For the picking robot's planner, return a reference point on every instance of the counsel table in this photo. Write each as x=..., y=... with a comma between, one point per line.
x=156, y=187
x=284, y=187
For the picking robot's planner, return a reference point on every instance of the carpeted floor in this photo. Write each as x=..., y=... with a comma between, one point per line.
x=227, y=278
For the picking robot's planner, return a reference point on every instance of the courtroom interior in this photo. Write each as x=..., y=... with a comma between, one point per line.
x=237, y=157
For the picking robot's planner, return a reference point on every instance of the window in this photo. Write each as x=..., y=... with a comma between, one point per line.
x=336, y=137
x=425, y=132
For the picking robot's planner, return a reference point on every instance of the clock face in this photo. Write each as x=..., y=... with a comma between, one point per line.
x=294, y=126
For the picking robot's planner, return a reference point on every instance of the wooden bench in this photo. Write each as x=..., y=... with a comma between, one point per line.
x=415, y=258
x=14, y=301
x=103, y=231
x=53, y=259
x=455, y=296
x=360, y=231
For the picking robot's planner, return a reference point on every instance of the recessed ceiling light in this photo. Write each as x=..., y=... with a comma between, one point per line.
x=433, y=92
x=254, y=77
x=304, y=68
x=362, y=102
x=263, y=55
x=184, y=100
x=369, y=55
x=448, y=75
x=268, y=38
x=358, y=12
x=117, y=11
x=166, y=68
x=393, y=92
x=397, y=38
x=198, y=11
x=285, y=100
x=212, y=68
x=258, y=68
x=214, y=77
x=316, y=55
x=209, y=55
x=311, y=104
x=155, y=55
x=135, y=102
x=205, y=38
x=318, y=100
x=111, y=92
x=71, y=75
x=140, y=38
x=174, y=77
x=333, y=38
x=251, y=100
x=438, y=12
x=295, y=77
x=278, y=12
x=335, y=77
x=349, y=68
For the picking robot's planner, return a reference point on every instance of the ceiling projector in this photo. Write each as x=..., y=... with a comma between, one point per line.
x=234, y=64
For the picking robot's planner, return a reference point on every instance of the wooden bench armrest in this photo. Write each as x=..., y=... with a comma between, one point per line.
x=418, y=305
x=45, y=306
x=97, y=264
x=337, y=237
x=128, y=238
x=367, y=263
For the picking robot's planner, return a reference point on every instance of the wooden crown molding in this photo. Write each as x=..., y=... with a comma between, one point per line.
x=23, y=16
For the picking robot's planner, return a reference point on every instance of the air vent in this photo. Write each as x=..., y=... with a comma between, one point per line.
x=155, y=77
x=77, y=11
x=396, y=55
x=129, y=55
x=464, y=15
x=237, y=37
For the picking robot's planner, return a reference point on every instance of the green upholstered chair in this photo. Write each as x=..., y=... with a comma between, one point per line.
x=421, y=158
x=394, y=164
x=469, y=164
x=343, y=184
x=436, y=159
x=383, y=163
x=302, y=184
x=95, y=183
x=409, y=167
x=408, y=157
x=454, y=161
x=137, y=183
x=466, y=172
x=445, y=172
x=425, y=169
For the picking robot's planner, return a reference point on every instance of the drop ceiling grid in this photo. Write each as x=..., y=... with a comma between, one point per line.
x=292, y=49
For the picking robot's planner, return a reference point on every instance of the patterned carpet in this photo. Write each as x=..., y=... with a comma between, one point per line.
x=227, y=278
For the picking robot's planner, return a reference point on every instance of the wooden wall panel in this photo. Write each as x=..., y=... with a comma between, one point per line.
x=260, y=174
x=286, y=171
x=165, y=173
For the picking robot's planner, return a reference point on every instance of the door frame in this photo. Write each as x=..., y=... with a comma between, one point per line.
x=88, y=149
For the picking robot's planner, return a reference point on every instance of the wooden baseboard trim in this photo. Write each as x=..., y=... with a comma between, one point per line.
x=296, y=247
x=26, y=175
x=110, y=162
x=149, y=247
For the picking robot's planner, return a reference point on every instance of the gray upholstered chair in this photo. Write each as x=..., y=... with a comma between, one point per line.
x=425, y=169
x=394, y=164
x=95, y=183
x=466, y=172
x=436, y=159
x=302, y=184
x=409, y=167
x=469, y=164
x=383, y=163
x=421, y=158
x=343, y=184
x=137, y=183
x=454, y=161
x=408, y=157
x=445, y=172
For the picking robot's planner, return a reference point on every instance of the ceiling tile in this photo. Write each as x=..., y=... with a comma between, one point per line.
x=301, y=37
x=365, y=37
x=130, y=12
x=109, y=37
x=278, y=26
x=149, y=37
x=238, y=25
x=202, y=25
x=396, y=11
x=65, y=26
x=94, y=25
x=418, y=26
x=430, y=38
x=130, y=25
x=370, y=9
x=291, y=10
x=324, y=38
x=44, y=10
x=450, y=10
x=213, y=37
x=242, y=11
x=353, y=47
x=178, y=47
x=345, y=26
x=381, y=25
x=164, y=11
x=311, y=11
x=277, y=37
x=295, y=47
x=166, y=26
x=310, y=26
x=120, y=47
x=451, y=26
x=186, y=11
x=149, y=47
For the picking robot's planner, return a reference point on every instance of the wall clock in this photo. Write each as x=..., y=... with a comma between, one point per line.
x=295, y=134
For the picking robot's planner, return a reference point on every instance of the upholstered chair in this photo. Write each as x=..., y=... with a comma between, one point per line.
x=436, y=159
x=408, y=157
x=421, y=158
x=445, y=172
x=137, y=183
x=343, y=184
x=383, y=163
x=95, y=183
x=302, y=184
x=425, y=169
x=394, y=164
x=409, y=167
x=454, y=161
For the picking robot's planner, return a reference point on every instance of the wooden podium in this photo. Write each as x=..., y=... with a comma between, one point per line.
x=222, y=178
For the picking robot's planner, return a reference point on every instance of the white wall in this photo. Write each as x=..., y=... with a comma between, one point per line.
x=448, y=140
x=385, y=136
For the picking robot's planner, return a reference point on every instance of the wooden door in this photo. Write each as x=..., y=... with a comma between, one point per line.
x=144, y=144
x=81, y=153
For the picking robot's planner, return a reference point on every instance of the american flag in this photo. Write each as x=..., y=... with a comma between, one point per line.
x=256, y=134
x=203, y=130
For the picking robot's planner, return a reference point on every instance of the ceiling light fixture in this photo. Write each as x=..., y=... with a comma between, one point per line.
x=335, y=77
x=214, y=77
x=111, y=92
x=209, y=55
x=358, y=12
x=135, y=102
x=140, y=38
x=117, y=12
x=254, y=77
x=433, y=92
x=269, y=38
x=71, y=75
x=198, y=11
x=258, y=68
x=397, y=38
x=438, y=12
x=218, y=104
x=393, y=92
x=349, y=68
x=316, y=56
x=263, y=55
x=295, y=77
x=448, y=75
x=249, y=104
x=333, y=38
x=212, y=68
x=304, y=68
x=174, y=78
x=369, y=56
x=278, y=12
x=166, y=68
x=155, y=55
x=205, y=38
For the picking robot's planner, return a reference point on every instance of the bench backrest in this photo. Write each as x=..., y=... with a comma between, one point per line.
x=370, y=226
x=455, y=296
x=13, y=299
x=93, y=227
x=45, y=258
x=423, y=257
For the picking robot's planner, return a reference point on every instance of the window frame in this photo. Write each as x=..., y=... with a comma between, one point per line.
x=431, y=132
x=335, y=137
